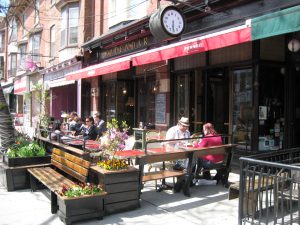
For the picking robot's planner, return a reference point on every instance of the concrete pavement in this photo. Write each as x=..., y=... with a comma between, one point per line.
x=208, y=205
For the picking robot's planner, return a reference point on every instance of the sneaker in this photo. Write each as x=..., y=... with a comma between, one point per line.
x=205, y=182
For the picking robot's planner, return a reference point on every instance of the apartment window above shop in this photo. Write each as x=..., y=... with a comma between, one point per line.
x=52, y=41
x=2, y=42
x=13, y=65
x=24, y=18
x=122, y=11
x=13, y=30
x=22, y=56
x=69, y=26
x=1, y=67
x=34, y=47
x=37, y=12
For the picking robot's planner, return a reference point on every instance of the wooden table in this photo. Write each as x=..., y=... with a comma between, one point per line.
x=171, y=154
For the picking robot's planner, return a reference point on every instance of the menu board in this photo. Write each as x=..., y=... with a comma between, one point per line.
x=160, y=108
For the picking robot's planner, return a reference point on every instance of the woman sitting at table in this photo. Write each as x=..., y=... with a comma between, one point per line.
x=90, y=130
x=57, y=132
x=209, y=162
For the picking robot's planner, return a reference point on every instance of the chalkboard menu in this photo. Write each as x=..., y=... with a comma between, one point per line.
x=160, y=108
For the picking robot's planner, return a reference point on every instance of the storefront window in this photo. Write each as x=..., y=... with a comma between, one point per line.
x=118, y=101
x=182, y=96
x=110, y=100
x=125, y=102
x=271, y=108
x=242, y=115
x=146, y=101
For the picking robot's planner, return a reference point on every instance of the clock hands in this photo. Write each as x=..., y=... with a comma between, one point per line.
x=173, y=25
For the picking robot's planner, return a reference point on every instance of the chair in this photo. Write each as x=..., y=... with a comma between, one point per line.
x=287, y=189
x=195, y=135
x=152, y=135
x=156, y=135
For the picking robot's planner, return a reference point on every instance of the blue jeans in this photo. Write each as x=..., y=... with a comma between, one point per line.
x=205, y=164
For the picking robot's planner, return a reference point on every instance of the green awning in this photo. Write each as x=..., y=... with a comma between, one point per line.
x=284, y=21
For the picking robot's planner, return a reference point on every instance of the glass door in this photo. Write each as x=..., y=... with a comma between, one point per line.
x=146, y=101
x=182, y=96
x=216, y=97
x=242, y=108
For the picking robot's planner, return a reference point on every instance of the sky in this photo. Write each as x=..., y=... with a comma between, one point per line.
x=3, y=3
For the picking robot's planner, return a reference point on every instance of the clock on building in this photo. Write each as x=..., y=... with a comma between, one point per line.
x=167, y=22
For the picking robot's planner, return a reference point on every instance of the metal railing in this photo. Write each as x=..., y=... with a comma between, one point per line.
x=269, y=188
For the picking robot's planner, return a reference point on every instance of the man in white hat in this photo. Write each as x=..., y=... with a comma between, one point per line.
x=180, y=130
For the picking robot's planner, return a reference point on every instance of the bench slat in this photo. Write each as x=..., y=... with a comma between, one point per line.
x=72, y=158
x=65, y=162
x=50, y=178
x=161, y=175
x=69, y=171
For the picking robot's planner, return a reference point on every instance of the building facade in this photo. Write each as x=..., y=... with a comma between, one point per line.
x=236, y=65
x=231, y=67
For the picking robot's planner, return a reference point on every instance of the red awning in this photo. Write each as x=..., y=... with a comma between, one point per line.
x=208, y=42
x=100, y=69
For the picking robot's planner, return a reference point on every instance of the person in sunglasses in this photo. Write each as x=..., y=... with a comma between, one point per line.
x=90, y=130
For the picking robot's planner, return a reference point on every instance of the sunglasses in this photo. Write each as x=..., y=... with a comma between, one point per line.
x=87, y=121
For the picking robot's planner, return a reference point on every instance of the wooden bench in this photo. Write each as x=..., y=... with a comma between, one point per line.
x=65, y=170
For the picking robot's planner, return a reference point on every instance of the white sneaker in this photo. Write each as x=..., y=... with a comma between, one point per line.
x=205, y=182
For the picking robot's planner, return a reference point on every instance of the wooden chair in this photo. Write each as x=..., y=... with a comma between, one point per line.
x=195, y=135
x=287, y=189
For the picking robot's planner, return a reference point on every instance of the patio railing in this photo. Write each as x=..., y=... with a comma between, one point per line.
x=269, y=188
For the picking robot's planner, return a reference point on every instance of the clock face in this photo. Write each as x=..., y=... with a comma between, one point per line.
x=173, y=22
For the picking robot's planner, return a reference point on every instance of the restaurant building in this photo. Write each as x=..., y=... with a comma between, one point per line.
x=236, y=65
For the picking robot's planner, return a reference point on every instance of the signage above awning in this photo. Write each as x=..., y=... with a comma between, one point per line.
x=276, y=23
x=59, y=83
x=21, y=85
x=224, y=38
x=100, y=69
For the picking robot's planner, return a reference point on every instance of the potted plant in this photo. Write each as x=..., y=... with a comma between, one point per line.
x=119, y=180
x=22, y=154
x=83, y=201
x=25, y=152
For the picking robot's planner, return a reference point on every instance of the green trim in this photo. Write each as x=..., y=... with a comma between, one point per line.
x=284, y=21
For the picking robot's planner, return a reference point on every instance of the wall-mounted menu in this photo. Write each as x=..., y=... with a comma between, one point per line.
x=160, y=108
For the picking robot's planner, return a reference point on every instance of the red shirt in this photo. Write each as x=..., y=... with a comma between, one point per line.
x=210, y=142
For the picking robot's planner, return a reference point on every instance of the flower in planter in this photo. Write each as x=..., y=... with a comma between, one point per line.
x=113, y=141
x=82, y=189
x=113, y=164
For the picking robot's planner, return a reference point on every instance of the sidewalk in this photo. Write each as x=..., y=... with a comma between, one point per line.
x=208, y=205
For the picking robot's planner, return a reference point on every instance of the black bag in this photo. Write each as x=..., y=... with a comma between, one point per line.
x=178, y=167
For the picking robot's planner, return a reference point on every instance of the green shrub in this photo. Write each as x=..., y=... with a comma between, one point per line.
x=24, y=147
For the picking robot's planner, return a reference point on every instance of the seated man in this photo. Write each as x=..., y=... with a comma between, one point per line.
x=179, y=131
x=209, y=162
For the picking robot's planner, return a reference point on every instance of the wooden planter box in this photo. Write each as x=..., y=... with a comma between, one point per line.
x=81, y=208
x=26, y=161
x=122, y=188
x=16, y=177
